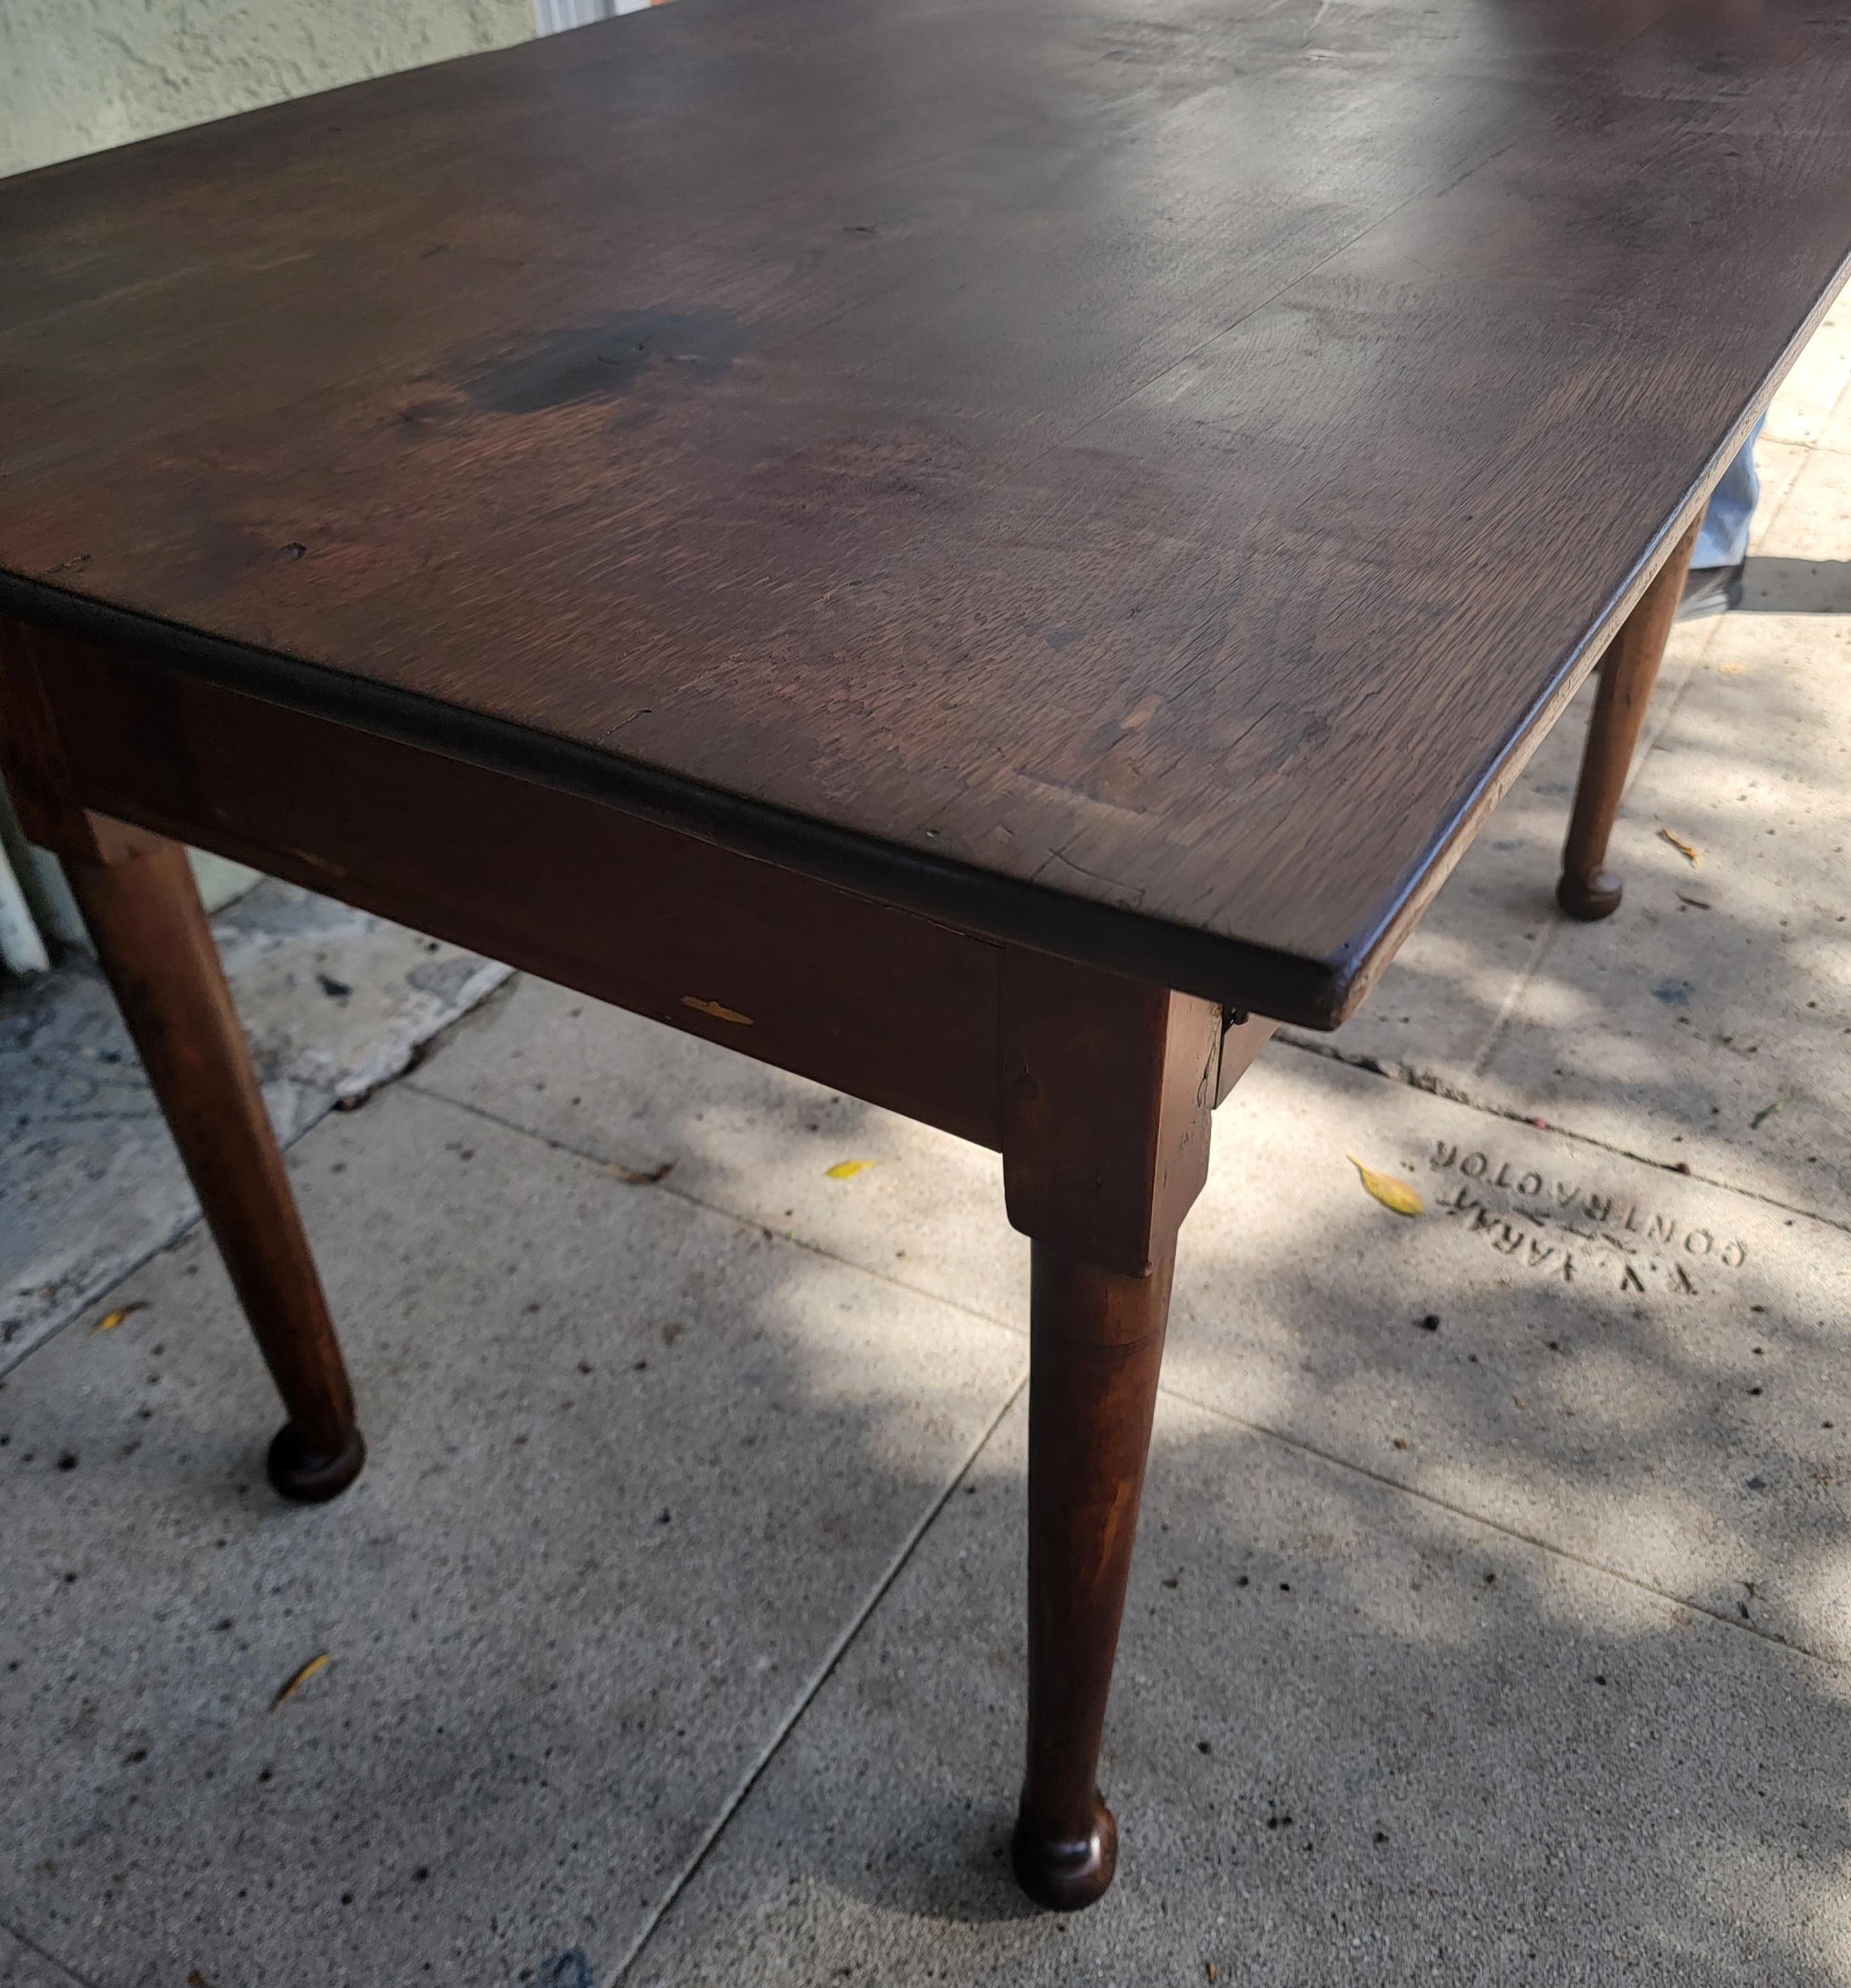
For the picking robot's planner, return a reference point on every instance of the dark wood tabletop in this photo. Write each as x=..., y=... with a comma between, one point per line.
x=1132, y=479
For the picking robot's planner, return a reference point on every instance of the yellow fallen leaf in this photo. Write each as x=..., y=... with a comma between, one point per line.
x=313, y=1667
x=713, y=1008
x=1682, y=847
x=848, y=1169
x=110, y=1319
x=1391, y=1192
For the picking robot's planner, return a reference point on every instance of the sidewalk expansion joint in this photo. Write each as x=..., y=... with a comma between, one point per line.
x=726, y=1214
x=1284, y=1437
x=833, y=1656
x=8, y=1930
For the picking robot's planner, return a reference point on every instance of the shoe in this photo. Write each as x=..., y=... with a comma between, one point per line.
x=1710, y=589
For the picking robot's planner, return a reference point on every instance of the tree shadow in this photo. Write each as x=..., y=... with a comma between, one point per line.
x=1338, y=1751
x=633, y=1467
x=1357, y=1734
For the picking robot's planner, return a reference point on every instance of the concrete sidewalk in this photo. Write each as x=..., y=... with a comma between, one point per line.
x=1492, y=1621
x=335, y=1002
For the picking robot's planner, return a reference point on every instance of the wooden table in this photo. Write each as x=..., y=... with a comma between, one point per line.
x=973, y=551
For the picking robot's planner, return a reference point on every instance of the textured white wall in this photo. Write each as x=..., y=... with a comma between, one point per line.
x=78, y=75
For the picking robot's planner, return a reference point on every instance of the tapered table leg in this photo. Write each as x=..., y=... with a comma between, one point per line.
x=156, y=946
x=1097, y=1342
x=1588, y=889
x=1108, y=1088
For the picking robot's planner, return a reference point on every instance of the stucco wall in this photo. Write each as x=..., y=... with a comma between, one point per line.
x=78, y=75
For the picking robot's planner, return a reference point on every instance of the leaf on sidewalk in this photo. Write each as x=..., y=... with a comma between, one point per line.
x=110, y=1319
x=1391, y=1193
x=719, y=1012
x=848, y=1169
x=635, y=1179
x=1702, y=904
x=1766, y=1112
x=1686, y=850
x=313, y=1667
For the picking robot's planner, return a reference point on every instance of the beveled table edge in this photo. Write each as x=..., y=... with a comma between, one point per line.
x=1233, y=972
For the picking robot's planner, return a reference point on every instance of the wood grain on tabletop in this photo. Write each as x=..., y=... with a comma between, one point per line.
x=1159, y=462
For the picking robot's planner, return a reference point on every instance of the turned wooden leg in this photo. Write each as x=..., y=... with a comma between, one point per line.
x=1108, y=1087
x=1588, y=890
x=1097, y=1342
x=154, y=943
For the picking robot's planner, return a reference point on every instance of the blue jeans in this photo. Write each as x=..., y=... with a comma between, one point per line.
x=1724, y=540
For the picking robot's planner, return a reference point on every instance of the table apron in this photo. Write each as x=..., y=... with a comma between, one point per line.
x=882, y=1003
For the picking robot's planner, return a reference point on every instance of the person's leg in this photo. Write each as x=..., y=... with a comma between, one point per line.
x=1714, y=584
